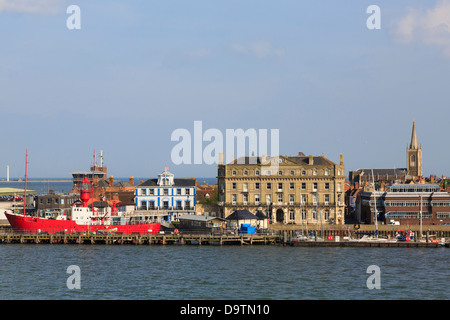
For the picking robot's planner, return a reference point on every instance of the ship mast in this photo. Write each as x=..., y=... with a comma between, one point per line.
x=25, y=191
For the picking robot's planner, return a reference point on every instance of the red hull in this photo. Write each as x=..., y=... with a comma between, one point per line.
x=28, y=224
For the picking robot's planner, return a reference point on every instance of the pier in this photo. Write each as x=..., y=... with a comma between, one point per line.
x=147, y=239
x=198, y=240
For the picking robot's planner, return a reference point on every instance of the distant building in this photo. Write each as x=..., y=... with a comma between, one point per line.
x=103, y=187
x=200, y=224
x=166, y=198
x=412, y=172
x=406, y=203
x=53, y=204
x=414, y=155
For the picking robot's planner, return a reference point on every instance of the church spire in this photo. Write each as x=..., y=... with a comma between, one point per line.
x=414, y=144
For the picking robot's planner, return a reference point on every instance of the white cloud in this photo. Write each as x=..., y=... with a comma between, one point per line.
x=31, y=6
x=429, y=27
x=259, y=49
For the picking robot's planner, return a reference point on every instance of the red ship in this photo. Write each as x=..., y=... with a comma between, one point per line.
x=83, y=218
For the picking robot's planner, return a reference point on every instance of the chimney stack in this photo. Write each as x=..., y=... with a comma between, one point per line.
x=311, y=160
x=132, y=180
x=111, y=181
x=342, y=159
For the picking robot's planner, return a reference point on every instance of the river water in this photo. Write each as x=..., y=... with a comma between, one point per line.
x=174, y=272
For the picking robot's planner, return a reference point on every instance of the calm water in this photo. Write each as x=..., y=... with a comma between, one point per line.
x=215, y=273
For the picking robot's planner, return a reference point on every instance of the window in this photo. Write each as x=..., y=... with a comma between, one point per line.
x=166, y=204
x=269, y=185
x=303, y=185
x=315, y=186
x=257, y=185
x=233, y=186
x=327, y=172
x=257, y=173
x=291, y=199
x=245, y=198
x=280, y=197
x=245, y=187
x=179, y=207
x=280, y=186
x=291, y=214
x=268, y=199
x=143, y=192
x=292, y=172
x=151, y=191
x=188, y=191
x=166, y=192
x=178, y=191
x=233, y=198
x=304, y=198
x=315, y=198
x=245, y=173
x=327, y=199
x=280, y=173
x=339, y=187
x=233, y=172
x=327, y=186
x=151, y=205
x=291, y=186
x=327, y=214
x=303, y=172
x=315, y=172
x=303, y=214
x=257, y=198
x=314, y=215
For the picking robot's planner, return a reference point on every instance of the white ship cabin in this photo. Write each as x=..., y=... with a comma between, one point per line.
x=100, y=214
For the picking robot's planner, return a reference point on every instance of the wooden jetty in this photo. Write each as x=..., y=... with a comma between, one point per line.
x=164, y=239
x=196, y=239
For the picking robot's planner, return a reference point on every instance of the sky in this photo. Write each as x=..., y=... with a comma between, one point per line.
x=138, y=70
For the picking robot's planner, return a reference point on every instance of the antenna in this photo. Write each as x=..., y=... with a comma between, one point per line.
x=101, y=158
x=25, y=191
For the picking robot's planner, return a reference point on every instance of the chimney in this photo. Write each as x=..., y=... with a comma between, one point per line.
x=311, y=160
x=342, y=159
x=301, y=154
x=221, y=158
x=111, y=181
x=132, y=180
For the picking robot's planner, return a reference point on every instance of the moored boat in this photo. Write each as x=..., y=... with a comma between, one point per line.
x=84, y=217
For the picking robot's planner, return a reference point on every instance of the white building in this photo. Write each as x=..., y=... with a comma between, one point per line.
x=166, y=198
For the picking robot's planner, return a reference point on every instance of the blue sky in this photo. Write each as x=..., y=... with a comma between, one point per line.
x=138, y=70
